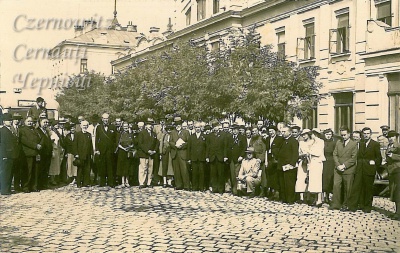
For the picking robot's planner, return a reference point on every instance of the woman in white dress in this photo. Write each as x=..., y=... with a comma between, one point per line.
x=304, y=150
x=315, y=166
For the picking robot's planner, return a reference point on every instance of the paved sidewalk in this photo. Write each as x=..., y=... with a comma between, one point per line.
x=164, y=220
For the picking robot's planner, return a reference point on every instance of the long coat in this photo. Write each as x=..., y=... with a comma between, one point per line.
x=288, y=153
x=45, y=142
x=8, y=144
x=106, y=140
x=29, y=140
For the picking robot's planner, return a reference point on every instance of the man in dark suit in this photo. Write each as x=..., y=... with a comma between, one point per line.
x=30, y=140
x=20, y=162
x=84, y=153
x=196, y=152
x=368, y=160
x=287, y=172
x=178, y=143
x=106, y=146
x=259, y=146
x=236, y=147
x=45, y=153
x=217, y=155
x=273, y=144
x=147, y=145
x=9, y=151
x=345, y=158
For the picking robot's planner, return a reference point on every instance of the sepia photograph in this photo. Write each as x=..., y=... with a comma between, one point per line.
x=199, y=126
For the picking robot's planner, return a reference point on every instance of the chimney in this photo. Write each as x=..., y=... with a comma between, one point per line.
x=78, y=30
x=88, y=25
x=131, y=28
x=154, y=29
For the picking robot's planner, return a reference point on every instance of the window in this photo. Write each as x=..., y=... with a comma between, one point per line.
x=201, y=9
x=394, y=100
x=215, y=6
x=188, y=15
x=384, y=12
x=309, y=42
x=281, y=44
x=341, y=34
x=83, y=65
x=215, y=46
x=343, y=110
x=310, y=121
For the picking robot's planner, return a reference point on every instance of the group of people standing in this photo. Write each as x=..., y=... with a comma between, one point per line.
x=283, y=164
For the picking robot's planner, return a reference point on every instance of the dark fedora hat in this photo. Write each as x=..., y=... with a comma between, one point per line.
x=392, y=133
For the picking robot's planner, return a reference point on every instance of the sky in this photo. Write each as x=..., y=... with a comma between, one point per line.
x=27, y=30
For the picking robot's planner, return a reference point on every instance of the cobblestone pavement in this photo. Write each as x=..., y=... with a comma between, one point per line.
x=164, y=220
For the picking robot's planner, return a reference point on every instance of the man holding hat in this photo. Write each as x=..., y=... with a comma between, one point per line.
x=38, y=110
x=9, y=151
x=178, y=143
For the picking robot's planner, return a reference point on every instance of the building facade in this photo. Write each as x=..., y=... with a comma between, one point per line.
x=355, y=43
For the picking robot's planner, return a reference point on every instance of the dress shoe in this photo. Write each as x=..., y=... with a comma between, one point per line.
x=142, y=186
x=365, y=210
x=319, y=205
x=344, y=209
x=150, y=186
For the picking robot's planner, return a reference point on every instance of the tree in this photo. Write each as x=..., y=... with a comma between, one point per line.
x=243, y=78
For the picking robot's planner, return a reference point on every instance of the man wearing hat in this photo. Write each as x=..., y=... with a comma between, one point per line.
x=249, y=177
x=273, y=144
x=19, y=163
x=236, y=147
x=178, y=143
x=106, y=145
x=9, y=151
x=39, y=109
x=393, y=159
x=147, y=145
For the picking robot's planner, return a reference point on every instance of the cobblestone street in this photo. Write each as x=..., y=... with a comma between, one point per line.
x=164, y=220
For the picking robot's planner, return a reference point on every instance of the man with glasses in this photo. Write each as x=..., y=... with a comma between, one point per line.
x=345, y=157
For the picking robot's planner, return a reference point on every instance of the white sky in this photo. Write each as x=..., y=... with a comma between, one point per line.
x=14, y=37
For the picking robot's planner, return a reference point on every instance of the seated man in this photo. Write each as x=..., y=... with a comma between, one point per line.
x=249, y=176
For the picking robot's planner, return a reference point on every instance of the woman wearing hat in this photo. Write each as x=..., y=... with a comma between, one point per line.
x=249, y=177
x=329, y=164
x=393, y=160
x=304, y=159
